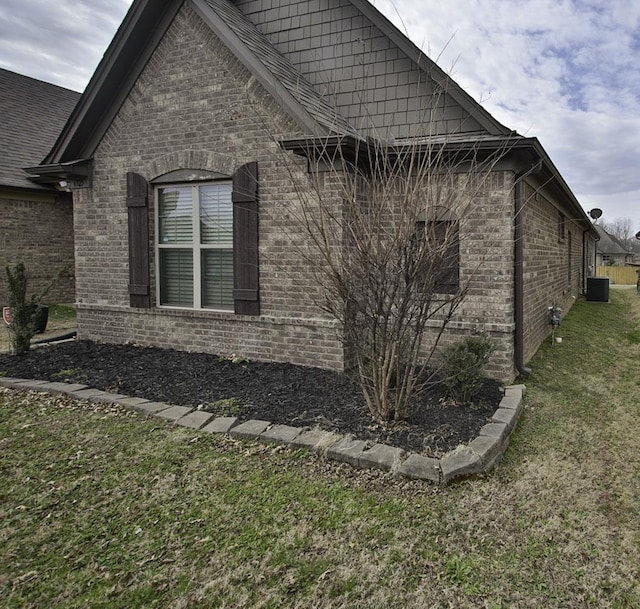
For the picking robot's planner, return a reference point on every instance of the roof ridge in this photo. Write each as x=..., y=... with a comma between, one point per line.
x=13, y=73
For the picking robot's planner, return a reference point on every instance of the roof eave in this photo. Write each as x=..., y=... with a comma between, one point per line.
x=77, y=171
x=556, y=176
x=350, y=148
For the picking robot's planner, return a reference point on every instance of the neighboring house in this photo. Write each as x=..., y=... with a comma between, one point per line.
x=610, y=251
x=36, y=220
x=181, y=120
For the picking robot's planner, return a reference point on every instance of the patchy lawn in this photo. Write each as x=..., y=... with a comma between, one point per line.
x=100, y=508
x=62, y=317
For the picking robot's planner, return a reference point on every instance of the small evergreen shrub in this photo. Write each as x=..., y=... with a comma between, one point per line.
x=23, y=311
x=28, y=316
x=463, y=366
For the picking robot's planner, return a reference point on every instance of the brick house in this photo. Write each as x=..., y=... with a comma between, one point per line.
x=36, y=220
x=186, y=117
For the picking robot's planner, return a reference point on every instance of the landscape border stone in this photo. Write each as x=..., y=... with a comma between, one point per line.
x=381, y=456
x=173, y=413
x=280, y=434
x=196, y=419
x=316, y=439
x=480, y=455
x=150, y=408
x=419, y=467
x=250, y=429
x=221, y=425
x=347, y=450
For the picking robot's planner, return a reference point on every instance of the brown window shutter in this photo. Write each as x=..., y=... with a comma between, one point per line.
x=138, y=212
x=246, y=277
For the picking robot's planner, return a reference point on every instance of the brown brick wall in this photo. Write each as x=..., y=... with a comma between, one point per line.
x=195, y=106
x=552, y=265
x=38, y=230
x=486, y=268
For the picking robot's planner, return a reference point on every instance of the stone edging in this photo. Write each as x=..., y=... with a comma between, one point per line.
x=479, y=456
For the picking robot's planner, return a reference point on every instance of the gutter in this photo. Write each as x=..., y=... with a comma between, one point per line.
x=518, y=271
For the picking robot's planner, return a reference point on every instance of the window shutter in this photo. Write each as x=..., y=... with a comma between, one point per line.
x=138, y=208
x=246, y=283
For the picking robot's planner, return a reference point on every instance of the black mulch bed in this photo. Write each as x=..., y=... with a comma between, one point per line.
x=280, y=393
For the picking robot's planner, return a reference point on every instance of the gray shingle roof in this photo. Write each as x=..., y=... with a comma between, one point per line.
x=32, y=114
x=608, y=244
x=281, y=68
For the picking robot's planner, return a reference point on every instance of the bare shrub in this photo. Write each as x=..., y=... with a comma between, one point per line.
x=384, y=242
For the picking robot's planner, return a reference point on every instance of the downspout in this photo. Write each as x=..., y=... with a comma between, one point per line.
x=585, y=264
x=518, y=270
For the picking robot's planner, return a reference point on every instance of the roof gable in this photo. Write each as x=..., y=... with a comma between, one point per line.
x=373, y=74
x=32, y=114
x=294, y=83
x=275, y=72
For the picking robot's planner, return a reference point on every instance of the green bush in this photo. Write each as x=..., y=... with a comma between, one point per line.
x=463, y=366
x=27, y=314
x=23, y=311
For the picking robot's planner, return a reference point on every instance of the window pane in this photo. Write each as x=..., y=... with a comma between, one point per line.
x=216, y=214
x=176, y=277
x=217, y=279
x=175, y=213
x=446, y=234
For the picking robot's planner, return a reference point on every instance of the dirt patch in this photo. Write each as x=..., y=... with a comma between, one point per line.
x=280, y=393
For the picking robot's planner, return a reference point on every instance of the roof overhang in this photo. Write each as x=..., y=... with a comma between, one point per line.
x=511, y=151
x=62, y=175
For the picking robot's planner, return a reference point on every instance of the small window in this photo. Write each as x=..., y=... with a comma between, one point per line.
x=561, y=227
x=195, y=246
x=444, y=236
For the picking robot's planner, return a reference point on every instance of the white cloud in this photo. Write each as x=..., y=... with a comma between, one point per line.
x=565, y=71
x=59, y=42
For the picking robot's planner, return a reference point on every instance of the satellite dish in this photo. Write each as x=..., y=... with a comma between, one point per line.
x=638, y=235
x=595, y=213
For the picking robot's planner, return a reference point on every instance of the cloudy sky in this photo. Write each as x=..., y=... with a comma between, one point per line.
x=564, y=71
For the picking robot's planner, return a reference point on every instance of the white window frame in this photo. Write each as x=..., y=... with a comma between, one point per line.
x=195, y=246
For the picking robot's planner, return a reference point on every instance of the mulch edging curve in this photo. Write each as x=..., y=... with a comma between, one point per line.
x=479, y=456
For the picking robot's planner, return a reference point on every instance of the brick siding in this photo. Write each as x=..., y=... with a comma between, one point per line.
x=553, y=260
x=38, y=230
x=195, y=106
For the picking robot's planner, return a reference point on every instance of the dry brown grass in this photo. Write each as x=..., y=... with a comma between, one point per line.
x=61, y=319
x=102, y=509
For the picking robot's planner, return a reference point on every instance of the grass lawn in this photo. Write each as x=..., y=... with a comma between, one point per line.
x=100, y=508
x=61, y=317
